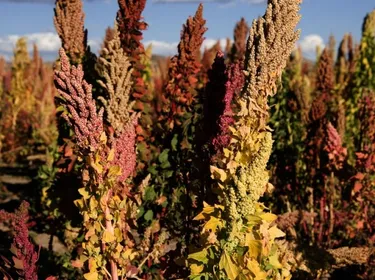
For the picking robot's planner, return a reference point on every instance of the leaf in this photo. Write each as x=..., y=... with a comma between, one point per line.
x=111, y=155
x=207, y=209
x=231, y=269
x=91, y=275
x=359, y=176
x=18, y=264
x=114, y=171
x=274, y=261
x=174, y=142
x=275, y=232
x=85, y=194
x=269, y=217
x=103, y=138
x=212, y=224
x=357, y=187
x=108, y=237
x=218, y=173
x=77, y=263
x=196, y=269
x=149, y=215
x=254, y=220
x=200, y=256
x=255, y=247
x=255, y=269
x=163, y=157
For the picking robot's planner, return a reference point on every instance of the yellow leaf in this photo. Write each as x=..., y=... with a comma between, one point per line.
x=231, y=269
x=255, y=247
x=212, y=224
x=79, y=203
x=218, y=173
x=269, y=217
x=118, y=234
x=255, y=269
x=97, y=167
x=274, y=261
x=226, y=152
x=196, y=269
x=129, y=254
x=93, y=203
x=111, y=155
x=91, y=275
x=275, y=232
x=114, y=171
x=108, y=237
x=85, y=194
x=103, y=138
x=207, y=209
x=89, y=233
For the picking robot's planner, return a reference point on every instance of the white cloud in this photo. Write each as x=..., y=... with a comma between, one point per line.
x=162, y=48
x=209, y=43
x=46, y=42
x=309, y=44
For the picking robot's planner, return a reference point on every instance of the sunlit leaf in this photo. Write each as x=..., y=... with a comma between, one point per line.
x=231, y=269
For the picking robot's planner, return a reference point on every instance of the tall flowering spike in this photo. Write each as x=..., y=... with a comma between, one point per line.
x=224, y=84
x=116, y=72
x=332, y=46
x=342, y=61
x=240, y=170
x=69, y=23
x=352, y=53
x=209, y=56
x=241, y=31
x=108, y=37
x=130, y=25
x=271, y=40
x=183, y=69
x=368, y=26
x=192, y=37
x=325, y=75
x=232, y=88
x=214, y=94
x=25, y=251
x=81, y=108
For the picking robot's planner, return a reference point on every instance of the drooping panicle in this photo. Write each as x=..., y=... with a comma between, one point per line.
x=69, y=23
x=24, y=250
x=81, y=108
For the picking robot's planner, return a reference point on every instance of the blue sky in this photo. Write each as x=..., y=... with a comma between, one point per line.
x=34, y=19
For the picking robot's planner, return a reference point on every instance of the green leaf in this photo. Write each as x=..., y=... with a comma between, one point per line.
x=150, y=194
x=163, y=157
x=200, y=256
x=174, y=142
x=149, y=215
